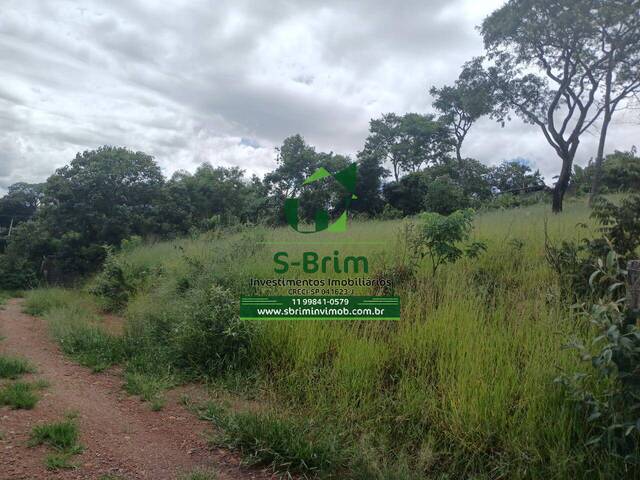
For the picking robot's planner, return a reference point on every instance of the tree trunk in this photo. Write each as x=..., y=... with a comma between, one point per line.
x=458, y=153
x=597, y=172
x=562, y=184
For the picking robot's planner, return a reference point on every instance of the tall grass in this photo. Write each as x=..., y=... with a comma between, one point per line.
x=463, y=385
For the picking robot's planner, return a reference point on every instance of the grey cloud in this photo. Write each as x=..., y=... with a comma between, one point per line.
x=226, y=80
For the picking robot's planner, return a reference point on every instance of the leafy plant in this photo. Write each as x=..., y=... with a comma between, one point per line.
x=444, y=239
x=610, y=392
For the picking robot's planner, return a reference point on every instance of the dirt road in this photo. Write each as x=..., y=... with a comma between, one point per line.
x=121, y=435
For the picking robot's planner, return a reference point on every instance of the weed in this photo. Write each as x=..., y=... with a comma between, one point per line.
x=57, y=461
x=286, y=445
x=199, y=474
x=11, y=367
x=18, y=395
x=62, y=436
x=149, y=387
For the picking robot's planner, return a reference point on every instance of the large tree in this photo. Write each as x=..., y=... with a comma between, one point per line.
x=546, y=70
x=461, y=104
x=296, y=161
x=102, y=197
x=408, y=141
x=618, y=43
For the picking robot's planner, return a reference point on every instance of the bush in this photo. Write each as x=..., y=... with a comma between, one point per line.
x=441, y=238
x=110, y=285
x=210, y=337
x=444, y=196
x=609, y=393
x=575, y=261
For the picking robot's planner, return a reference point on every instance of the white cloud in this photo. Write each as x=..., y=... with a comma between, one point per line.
x=226, y=81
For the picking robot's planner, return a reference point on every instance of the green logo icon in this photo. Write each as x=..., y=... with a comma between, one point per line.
x=346, y=178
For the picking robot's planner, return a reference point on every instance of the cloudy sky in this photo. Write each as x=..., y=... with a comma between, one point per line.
x=222, y=81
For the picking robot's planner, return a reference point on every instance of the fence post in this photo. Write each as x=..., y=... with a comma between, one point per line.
x=633, y=291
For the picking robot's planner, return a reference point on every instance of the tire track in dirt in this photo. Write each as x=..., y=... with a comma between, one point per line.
x=121, y=435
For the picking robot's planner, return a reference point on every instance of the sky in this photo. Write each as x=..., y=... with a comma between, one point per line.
x=226, y=81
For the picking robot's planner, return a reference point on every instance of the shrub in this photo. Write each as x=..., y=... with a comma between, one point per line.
x=441, y=238
x=610, y=393
x=110, y=285
x=209, y=336
x=575, y=261
x=444, y=196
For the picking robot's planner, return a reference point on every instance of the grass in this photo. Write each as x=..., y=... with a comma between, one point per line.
x=461, y=387
x=43, y=300
x=200, y=474
x=19, y=395
x=62, y=437
x=283, y=444
x=75, y=323
x=58, y=461
x=12, y=367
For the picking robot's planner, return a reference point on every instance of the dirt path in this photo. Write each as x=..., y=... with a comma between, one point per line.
x=121, y=436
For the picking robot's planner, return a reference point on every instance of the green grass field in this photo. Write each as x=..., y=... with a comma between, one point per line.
x=461, y=387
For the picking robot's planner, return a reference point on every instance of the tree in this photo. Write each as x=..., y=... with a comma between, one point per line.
x=369, y=184
x=515, y=176
x=102, y=197
x=555, y=38
x=618, y=41
x=408, y=193
x=445, y=196
x=19, y=204
x=408, y=142
x=466, y=101
x=297, y=161
x=620, y=171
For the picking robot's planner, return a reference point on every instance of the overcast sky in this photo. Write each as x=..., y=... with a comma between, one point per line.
x=227, y=81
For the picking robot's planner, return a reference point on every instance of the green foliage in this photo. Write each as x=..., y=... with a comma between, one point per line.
x=75, y=324
x=609, y=392
x=575, y=261
x=390, y=213
x=111, y=286
x=11, y=367
x=285, y=445
x=620, y=224
x=149, y=387
x=444, y=196
x=84, y=340
x=516, y=176
x=407, y=141
x=42, y=300
x=440, y=238
x=58, y=461
x=62, y=436
x=465, y=102
x=199, y=474
x=461, y=386
x=18, y=395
